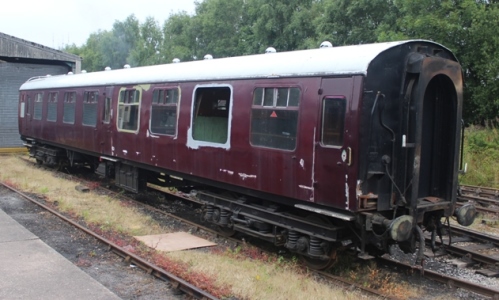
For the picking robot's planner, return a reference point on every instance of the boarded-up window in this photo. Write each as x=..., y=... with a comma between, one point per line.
x=210, y=118
x=274, y=117
x=333, y=121
x=128, y=110
x=37, y=111
x=90, y=99
x=52, y=107
x=68, y=116
x=164, y=111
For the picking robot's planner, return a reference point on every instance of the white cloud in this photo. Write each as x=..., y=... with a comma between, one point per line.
x=54, y=23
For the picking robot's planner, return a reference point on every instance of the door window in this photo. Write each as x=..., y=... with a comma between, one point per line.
x=333, y=121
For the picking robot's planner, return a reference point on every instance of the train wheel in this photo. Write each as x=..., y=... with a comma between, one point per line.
x=319, y=264
x=315, y=263
x=225, y=231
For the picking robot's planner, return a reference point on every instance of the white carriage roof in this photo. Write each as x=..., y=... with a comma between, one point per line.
x=316, y=62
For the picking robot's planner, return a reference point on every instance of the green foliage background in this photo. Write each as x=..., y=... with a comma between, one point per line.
x=240, y=27
x=481, y=153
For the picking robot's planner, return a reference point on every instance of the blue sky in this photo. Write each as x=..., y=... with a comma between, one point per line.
x=55, y=23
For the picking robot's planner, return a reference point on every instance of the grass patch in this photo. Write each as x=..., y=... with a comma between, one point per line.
x=481, y=152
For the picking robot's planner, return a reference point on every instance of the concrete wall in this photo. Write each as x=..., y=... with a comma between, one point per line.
x=12, y=76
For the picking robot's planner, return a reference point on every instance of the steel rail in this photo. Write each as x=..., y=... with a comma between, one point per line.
x=480, y=190
x=448, y=280
x=176, y=282
x=486, y=238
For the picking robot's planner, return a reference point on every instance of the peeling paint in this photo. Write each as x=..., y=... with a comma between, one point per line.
x=138, y=153
x=227, y=171
x=302, y=164
x=312, y=196
x=347, y=197
x=358, y=190
x=245, y=176
x=149, y=134
x=125, y=152
x=306, y=187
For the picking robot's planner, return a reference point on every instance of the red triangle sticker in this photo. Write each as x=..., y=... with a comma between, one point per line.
x=273, y=115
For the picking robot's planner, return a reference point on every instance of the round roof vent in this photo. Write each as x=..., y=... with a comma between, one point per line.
x=326, y=44
x=107, y=69
x=270, y=50
x=176, y=60
x=208, y=56
x=127, y=66
x=70, y=73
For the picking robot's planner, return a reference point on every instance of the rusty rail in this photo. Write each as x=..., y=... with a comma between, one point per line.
x=176, y=282
x=448, y=280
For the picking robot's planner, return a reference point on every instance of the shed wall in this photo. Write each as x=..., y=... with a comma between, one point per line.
x=12, y=76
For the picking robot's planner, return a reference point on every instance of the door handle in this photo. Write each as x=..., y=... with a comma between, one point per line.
x=349, y=153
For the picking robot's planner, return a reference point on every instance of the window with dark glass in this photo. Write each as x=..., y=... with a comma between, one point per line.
x=37, y=110
x=52, y=107
x=210, y=118
x=128, y=110
x=90, y=99
x=68, y=115
x=107, y=110
x=333, y=121
x=274, y=117
x=164, y=111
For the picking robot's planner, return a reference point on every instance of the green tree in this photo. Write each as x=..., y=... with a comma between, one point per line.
x=179, y=39
x=148, y=45
x=468, y=28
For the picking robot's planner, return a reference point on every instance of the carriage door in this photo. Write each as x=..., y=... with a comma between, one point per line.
x=333, y=149
x=106, y=134
x=25, y=112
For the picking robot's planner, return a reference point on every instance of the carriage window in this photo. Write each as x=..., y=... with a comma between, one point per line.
x=52, y=107
x=333, y=121
x=37, y=113
x=210, y=118
x=68, y=116
x=164, y=111
x=24, y=108
x=90, y=100
x=274, y=117
x=107, y=110
x=128, y=109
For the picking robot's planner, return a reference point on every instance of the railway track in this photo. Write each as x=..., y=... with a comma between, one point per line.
x=194, y=227
x=448, y=280
x=487, y=199
x=176, y=282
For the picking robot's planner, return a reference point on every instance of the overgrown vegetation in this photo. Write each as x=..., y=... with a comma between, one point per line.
x=481, y=153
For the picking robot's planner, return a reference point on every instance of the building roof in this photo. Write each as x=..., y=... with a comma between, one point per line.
x=13, y=47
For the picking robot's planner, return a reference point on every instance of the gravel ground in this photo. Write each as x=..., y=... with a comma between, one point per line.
x=89, y=254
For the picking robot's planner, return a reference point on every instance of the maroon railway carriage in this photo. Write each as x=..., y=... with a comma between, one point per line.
x=307, y=149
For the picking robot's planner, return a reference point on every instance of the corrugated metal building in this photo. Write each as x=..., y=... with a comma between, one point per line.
x=19, y=61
